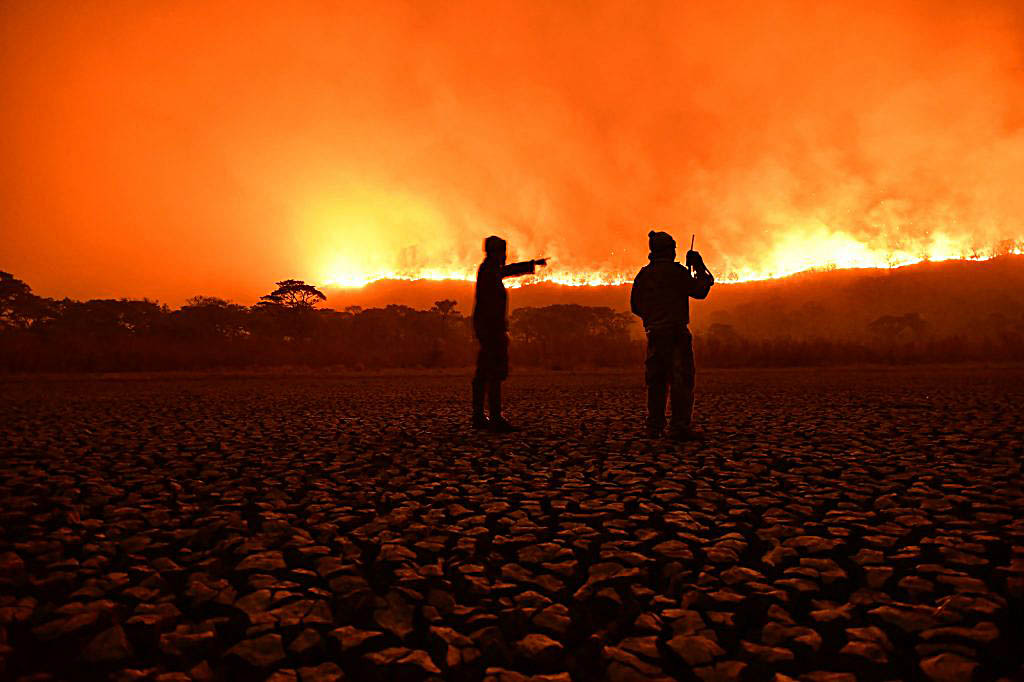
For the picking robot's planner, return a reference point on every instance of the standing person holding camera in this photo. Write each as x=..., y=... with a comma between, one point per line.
x=660, y=297
x=490, y=325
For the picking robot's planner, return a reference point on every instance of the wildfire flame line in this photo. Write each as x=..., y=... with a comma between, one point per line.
x=788, y=261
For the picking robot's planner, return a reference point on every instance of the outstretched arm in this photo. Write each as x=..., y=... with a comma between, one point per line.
x=515, y=269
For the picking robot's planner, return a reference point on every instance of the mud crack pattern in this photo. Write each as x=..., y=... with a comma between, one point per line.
x=837, y=525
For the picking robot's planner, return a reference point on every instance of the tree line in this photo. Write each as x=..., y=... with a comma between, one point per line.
x=290, y=326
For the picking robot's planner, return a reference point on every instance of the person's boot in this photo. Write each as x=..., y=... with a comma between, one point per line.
x=680, y=426
x=479, y=420
x=498, y=423
x=685, y=434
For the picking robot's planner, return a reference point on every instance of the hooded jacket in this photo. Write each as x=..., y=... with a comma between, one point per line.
x=490, y=307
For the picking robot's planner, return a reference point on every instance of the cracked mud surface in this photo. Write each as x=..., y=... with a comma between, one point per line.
x=837, y=525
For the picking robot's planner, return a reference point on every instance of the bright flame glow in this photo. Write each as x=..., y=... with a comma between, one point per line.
x=815, y=248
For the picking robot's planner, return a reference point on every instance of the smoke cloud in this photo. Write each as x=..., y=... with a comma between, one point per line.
x=171, y=149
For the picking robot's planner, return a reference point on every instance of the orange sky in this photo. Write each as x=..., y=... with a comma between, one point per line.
x=168, y=149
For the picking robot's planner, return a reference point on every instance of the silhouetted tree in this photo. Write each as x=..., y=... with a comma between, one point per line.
x=445, y=307
x=288, y=312
x=19, y=307
x=210, y=317
x=569, y=335
x=295, y=294
x=109, y=318
x=287, y=327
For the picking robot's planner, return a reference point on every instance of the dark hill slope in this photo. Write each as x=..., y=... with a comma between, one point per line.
x=952, y=297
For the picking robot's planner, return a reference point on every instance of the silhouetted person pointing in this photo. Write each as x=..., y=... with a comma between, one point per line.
x=490, y=324
x=661, y=297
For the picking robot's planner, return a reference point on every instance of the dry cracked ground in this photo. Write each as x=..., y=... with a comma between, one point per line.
x=837, y=525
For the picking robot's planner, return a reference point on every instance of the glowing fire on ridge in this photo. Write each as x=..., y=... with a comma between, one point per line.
x=795, y=253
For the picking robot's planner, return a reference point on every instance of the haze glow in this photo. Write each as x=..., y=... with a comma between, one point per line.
x=174, y=149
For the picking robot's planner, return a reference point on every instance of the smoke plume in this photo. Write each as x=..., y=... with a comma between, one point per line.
x=171, y=149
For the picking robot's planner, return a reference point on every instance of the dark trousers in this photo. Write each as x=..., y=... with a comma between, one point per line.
x=669, y=364
x=491, y=370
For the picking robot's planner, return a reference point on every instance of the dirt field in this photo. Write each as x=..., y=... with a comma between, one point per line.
x=838, y=524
